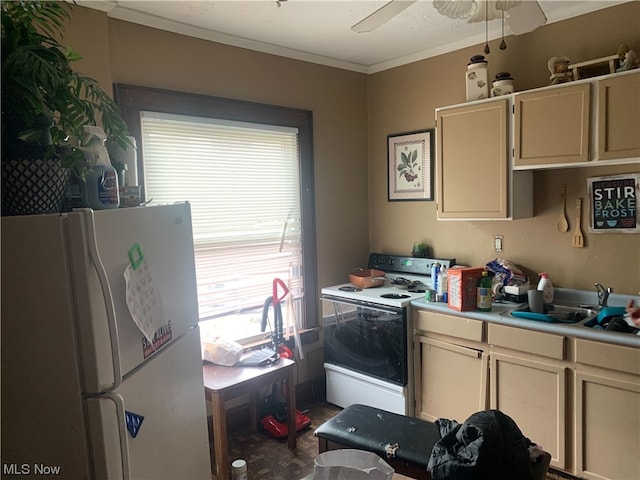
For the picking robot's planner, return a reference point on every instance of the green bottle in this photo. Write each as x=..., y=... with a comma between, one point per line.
x=483, y=297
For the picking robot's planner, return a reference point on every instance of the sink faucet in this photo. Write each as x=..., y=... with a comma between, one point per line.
x=603, y=295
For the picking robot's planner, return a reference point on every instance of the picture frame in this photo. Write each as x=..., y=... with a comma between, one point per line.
x=410, y=158
x=613, y=203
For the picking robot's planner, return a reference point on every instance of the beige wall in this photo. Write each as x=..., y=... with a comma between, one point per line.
x=353, y=113
x=403, y=99
x=122, y=52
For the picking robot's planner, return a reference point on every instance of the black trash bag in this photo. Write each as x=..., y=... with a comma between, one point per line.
x=487, y=446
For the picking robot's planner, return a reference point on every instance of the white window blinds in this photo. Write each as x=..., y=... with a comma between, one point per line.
x=243, y=183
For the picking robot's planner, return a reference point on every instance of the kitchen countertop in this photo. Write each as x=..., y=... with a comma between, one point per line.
x=500, y=314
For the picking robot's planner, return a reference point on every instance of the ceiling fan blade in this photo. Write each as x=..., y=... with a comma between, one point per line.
x=382, y=15
x=526, y=17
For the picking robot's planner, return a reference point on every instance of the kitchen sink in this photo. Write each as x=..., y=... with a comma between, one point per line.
x=582, y=311
x=557, y=313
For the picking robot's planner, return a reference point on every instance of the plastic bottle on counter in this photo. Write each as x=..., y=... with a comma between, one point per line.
x=483, y=299
x=435, y=272
x=442, y=283
x=546, y=287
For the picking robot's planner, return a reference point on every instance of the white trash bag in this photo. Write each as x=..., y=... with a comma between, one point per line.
x=351, y=464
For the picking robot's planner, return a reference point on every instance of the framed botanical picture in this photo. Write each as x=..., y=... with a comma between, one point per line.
x=410, y=157
x=613, y=202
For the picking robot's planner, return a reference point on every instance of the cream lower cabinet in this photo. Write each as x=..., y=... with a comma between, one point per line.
x=579, y=399
x=450, y=367
x=529, y=382
x=452, y=382
x=607, y=411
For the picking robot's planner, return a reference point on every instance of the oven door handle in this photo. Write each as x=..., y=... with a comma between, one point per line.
x=361, y=304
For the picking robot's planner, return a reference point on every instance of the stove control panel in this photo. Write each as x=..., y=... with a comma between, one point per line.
x=406, y=264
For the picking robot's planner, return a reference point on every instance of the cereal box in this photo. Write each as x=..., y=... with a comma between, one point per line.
x=462, y=287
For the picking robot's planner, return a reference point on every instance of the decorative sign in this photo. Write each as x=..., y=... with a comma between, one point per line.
x=614, y=203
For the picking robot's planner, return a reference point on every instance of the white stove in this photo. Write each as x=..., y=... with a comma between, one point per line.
x=368, y=335
x=388, y=294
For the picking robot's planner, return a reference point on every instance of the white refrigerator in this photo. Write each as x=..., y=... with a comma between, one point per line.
x=85, y=393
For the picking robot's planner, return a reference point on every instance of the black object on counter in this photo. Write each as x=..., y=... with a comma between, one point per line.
x=618, y=324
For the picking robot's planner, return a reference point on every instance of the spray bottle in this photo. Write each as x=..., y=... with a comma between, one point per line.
x=101, y=186
x=546, y=287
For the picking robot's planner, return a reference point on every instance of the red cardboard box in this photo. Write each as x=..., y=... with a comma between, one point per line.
x=462, y=292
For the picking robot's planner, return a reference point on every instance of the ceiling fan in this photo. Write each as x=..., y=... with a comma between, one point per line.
x=522, y=16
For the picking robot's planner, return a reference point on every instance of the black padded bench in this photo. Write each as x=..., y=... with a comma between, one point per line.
x=405, y=443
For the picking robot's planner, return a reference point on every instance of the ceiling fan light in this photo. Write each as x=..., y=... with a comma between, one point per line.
x=456, y=8
x=505, y=5
x=486, y=11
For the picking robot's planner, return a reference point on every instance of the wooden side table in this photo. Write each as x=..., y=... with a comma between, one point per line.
x=223, y=383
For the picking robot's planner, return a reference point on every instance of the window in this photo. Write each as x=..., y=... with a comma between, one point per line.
x=246, y=169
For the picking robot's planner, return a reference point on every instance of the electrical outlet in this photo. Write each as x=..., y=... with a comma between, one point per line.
x=497, y=242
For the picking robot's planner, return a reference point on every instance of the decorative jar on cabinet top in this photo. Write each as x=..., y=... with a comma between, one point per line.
x=477, y=78
x=502, y=85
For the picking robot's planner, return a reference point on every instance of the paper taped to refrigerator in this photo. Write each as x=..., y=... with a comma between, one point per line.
x=143, y=300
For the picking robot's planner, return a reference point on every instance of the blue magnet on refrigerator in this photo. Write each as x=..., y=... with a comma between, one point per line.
x=134, y=422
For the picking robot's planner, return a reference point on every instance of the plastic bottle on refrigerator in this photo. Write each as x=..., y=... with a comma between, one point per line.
x=546, y=287
x=101, y=186
x=483, y=299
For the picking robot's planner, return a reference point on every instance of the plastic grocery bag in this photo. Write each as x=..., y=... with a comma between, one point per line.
x=220, y=351
x=351, y=464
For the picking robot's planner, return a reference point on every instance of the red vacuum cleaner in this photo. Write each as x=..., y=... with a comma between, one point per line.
x=276, y=422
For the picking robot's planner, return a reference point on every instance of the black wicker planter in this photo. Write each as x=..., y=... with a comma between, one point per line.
x=33, y=187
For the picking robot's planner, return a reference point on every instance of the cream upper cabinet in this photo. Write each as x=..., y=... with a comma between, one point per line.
x=619, y=117
x=551, y=126
x=586, y=123
x=473, y=171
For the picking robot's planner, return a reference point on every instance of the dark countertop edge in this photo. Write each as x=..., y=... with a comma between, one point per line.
x=500, y=315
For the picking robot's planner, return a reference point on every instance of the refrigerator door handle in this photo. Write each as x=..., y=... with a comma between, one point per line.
x=94, y=255
x=122, y=421
x=109, y=436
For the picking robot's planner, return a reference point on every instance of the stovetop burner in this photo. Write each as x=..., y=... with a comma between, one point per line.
x=350, y=288
x=394, y=295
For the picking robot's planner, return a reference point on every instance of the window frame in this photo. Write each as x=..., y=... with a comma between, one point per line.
x=132, y=100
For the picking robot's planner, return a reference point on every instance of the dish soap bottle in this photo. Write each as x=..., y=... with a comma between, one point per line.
x=101, y=185
x=546, y=287
x=483, y=299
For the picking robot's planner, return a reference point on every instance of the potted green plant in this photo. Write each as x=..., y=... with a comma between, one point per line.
x=45, y=106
